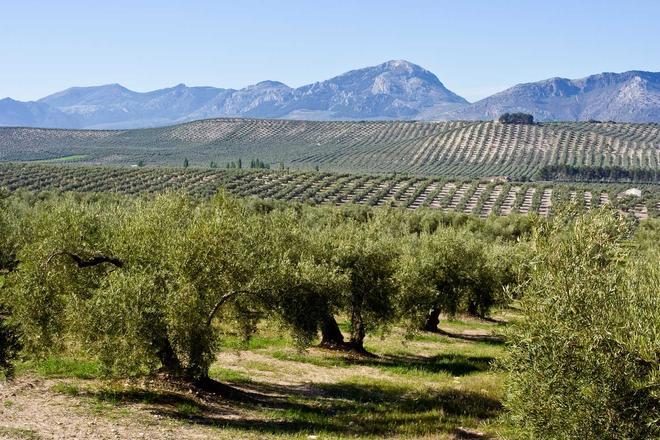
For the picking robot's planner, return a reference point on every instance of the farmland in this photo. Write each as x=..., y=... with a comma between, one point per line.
x=451, y=149
x=183, y=316
x=149, y=291
x=469, y=196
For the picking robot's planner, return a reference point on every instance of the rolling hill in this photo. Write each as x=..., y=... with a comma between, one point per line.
x=460, y=149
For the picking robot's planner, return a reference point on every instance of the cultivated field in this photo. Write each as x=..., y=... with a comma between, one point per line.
x=472, y=196
x=174, y=316
x=456, y=149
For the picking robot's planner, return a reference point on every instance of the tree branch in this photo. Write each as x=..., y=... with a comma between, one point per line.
x=82, y=263
x=219, y=304
x=95, y=261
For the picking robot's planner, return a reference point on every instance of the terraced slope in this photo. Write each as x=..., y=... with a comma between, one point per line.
x=457, y=149
x=477, y=197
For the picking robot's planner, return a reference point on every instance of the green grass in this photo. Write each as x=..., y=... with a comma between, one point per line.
x=63, y=367
x=228, y=375
x=254, y=343
x=321, y=361
x=422, y=387
x=66, y=388
x=186, y=409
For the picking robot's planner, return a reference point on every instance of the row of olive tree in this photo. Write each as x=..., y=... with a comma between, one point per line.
x=142, y=283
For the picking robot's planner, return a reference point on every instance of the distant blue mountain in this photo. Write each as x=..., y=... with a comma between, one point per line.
x=623, y=97
x=393, y=90
x=33, y=114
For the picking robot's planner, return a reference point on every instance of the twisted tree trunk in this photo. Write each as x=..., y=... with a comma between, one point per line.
x=432, y=320
x=331, y=335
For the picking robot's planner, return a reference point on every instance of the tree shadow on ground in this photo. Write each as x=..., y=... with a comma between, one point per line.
x=489, y=339
x=344, y=409
x=454, y=364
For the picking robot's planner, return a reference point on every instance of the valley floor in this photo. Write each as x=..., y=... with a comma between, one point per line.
x=428, y=386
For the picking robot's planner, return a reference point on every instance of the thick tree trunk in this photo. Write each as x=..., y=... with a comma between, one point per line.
x=169, y=360
x=432, y=320
x=357, y=330
x=331, y=335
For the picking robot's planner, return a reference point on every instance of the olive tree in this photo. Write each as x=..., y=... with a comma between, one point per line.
x=303, y=281
x=583, y=360
x=139, y=282
x=447, y=271
x=367, y=258
x=57, y=268
x=181, y=263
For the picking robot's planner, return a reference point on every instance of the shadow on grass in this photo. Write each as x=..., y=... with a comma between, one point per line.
x=453, y=364
x=489, y=339
x=345, y=408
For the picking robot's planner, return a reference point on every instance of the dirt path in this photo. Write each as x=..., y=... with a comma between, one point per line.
x=30, y=410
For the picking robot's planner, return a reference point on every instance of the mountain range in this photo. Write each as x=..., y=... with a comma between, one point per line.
x=393, y=90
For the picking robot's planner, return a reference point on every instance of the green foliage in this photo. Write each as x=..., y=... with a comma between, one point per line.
x=101, y=284
x=451, y=271
x=583, y=361
x=367, y=257
x=574, y=173
x=258, y=164
x=163, y=268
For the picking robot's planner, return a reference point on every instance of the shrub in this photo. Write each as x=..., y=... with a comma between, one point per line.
x=583, y=362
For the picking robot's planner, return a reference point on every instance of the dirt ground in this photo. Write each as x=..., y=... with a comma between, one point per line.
x=31, y=410
x=275, y=393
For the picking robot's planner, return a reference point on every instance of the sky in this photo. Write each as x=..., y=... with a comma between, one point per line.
x=475, y=47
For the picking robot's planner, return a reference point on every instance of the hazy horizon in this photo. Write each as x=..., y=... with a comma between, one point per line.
x=153, y=45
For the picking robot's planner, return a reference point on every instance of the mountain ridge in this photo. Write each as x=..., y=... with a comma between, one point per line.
x=394, y=90
x=632, y=96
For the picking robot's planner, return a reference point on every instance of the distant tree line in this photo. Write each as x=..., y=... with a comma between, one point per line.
x=576, y=173
x=254, y=164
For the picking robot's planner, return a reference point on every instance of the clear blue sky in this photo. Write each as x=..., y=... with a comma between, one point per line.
x=474, y=47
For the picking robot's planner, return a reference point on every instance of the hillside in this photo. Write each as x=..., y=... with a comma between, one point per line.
x=469, y=149
x=624, y=97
